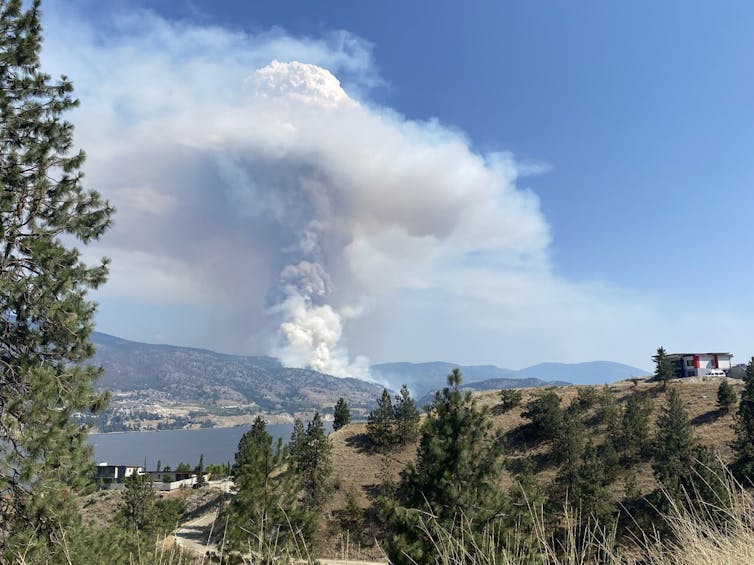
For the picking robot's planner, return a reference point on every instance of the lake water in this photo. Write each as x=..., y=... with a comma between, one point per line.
x=171, y=447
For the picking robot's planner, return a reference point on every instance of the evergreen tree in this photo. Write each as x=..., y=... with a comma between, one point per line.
x=297, y=443
x=509, y=399
x=568, y=447
x=200, y=471
x=342, y=415
x=664, y=370
x=138, y=502
x=311, y=460
x=455, y=473
x=743, y=445
x=726, y=396
x=265, y=515
x=45, y=317
x=673, y=452
x=591, y=494
x=381, y=423
x=406, y=417
x=633, y=438
x=545, y=413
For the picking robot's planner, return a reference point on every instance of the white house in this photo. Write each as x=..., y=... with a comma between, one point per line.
x=700, y=364
x=109, y=474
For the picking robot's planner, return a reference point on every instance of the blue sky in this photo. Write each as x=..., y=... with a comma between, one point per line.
x=628, y=128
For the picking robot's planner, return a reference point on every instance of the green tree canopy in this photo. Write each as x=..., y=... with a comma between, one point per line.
x=266, y=514
x=673, y=453
x=406, y=417
x=311, y=460
x=726, y=396
x=664, y=370
x=455, y=473
x=743, y=445
x=45, y=317
x=342, y=416
x=381, y=422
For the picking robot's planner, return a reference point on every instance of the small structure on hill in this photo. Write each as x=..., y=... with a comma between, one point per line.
x=700, y=364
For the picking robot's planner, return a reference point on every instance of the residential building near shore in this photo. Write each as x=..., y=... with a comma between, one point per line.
x=114, y=476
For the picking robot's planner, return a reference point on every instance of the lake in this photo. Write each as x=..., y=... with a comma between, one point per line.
x=171, y=447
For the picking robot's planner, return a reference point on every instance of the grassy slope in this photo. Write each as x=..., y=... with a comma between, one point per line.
x=357, y=469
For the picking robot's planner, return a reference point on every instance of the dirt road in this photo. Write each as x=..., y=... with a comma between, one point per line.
x=193, y=536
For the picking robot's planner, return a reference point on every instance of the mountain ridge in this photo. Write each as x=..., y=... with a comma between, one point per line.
x=201, y=385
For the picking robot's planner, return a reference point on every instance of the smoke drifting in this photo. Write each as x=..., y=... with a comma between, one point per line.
x=262, y=192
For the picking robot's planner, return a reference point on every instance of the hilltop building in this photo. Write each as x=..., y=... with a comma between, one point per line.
x=700, y=364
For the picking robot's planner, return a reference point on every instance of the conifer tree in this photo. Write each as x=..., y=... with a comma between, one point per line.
x=454, y=476
x=265, y=515
x=509, y=399
x=673, y=453
x=633, y=438
x=297, y=443
x=381, y=422
x=45, y=317
x=311, y=460
x=591, y=494
x=545, y=413
x=664, y=370
x=342, y=416
x=568, y=447
x=138, y=502
x=406, y=417
x=726, y=396
x=743, y=445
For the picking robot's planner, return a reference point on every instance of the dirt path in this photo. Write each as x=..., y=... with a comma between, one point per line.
x=193, y=536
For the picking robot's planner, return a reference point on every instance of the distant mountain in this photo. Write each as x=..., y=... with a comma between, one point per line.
x=198, y=376
x=423, y=378
x=201, y=377
x=592, y=372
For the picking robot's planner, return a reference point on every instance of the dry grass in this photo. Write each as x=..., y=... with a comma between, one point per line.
x=357, y=469
x=695, y=538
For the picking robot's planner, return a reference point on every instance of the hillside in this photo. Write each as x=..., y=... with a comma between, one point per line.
x=202, y=385
x=168, y=386
x=358, y=470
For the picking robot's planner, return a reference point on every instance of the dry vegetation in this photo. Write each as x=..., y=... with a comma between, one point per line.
x=358, y=469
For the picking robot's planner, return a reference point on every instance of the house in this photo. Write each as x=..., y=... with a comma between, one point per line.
x=700, y=364
x=105, y=474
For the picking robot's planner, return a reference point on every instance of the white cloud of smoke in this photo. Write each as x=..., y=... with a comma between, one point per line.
x=249, y=179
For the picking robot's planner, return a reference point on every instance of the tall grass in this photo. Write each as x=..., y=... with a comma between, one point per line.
x=709, y=533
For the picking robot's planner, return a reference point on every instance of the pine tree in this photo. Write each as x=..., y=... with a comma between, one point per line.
x=342, y=415
x=406, y=417
x=743, y=445
x=297, y=443
x=634, y=434
x=545, y=413
x=568, y=448
x=664, y=370
x=200, y=471
x=138, y=502
x=265, y=515
x=726, y=396
x=455, y=473
x=381, y=423
x=509, y=399
x=311, y=460
x=673, y=452
x=45, y=317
